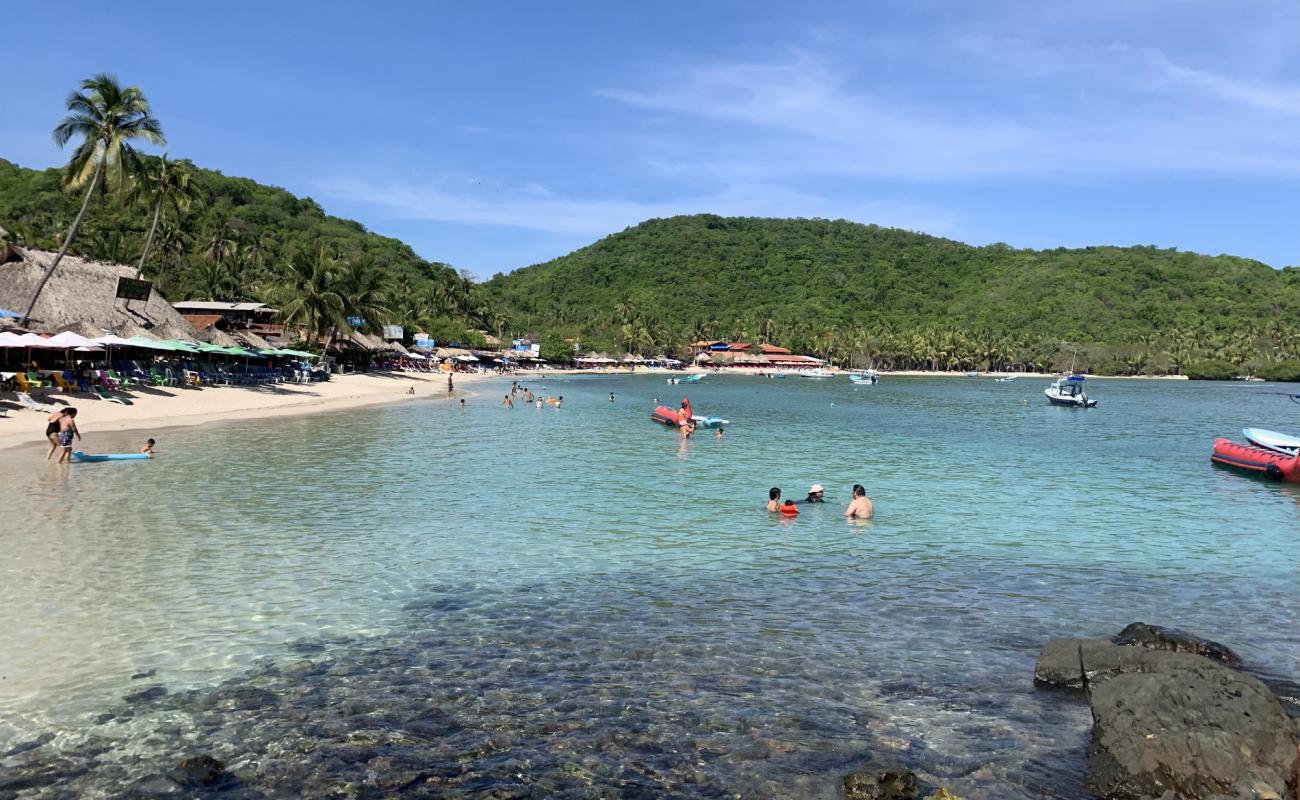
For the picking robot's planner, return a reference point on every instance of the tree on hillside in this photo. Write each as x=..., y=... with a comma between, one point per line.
x=108, y=118
x=311, y=293
x=166, y=184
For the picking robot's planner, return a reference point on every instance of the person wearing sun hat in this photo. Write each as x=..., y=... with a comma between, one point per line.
x=816, y=494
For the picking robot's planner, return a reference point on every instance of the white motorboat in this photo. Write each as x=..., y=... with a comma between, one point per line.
x=864, y=376
x=1005, y=379
x=817, y=374
x=1069, y=391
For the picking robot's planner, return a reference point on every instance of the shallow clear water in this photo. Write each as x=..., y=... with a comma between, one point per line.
x=572, y=603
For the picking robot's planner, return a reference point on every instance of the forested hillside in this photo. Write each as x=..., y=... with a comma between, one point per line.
x=866, y=293
x=236, y=239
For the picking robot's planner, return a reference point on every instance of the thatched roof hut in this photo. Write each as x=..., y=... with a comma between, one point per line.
x=218, y=337
x=169, y=331
x=128, y=328
x=81, y=291
x=250, y=339
x=83, y=328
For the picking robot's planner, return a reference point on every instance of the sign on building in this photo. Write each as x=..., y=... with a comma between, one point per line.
x=393, y=332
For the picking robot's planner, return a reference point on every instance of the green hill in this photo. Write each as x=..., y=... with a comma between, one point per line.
x=862, y=292
x=235, y=242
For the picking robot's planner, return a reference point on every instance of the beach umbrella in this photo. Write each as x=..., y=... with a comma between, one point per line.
x=8, y=339
x=149, y=344
x=110, y=340
x=83, y=328
x=68, y=340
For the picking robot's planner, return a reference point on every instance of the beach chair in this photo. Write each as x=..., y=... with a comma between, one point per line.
x=25, y=400
x=83, y=384
x=122, y=380
x=104, y=395
x=26, y=383
x=61, y=381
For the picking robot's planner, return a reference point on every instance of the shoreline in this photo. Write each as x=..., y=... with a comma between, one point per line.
x=171, y=407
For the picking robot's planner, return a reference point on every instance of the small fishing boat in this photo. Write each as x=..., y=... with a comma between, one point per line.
x=1257, y=460
x=973, y=374
x=864, y=376
x=709, y=422
x=693, y=378
x=1005, y=379
x=92, y=457
x=1069, y=391
x=1272, y=440
x=817, y=374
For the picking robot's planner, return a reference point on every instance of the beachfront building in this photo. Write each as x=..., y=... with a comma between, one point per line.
x=84, y=293
x=257, y=320
x=724, y=354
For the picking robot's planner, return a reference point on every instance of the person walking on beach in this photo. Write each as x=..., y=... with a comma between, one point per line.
x=508, y=402
x=52, y=430
x=773, y=499
x=860, y=507
x=67, y=429
x=450, y=386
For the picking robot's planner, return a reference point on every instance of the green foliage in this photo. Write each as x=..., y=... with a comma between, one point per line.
x=225, y=238
x=554, y=348
x=1213, y=369
x=863, y=294
x=1283, y=371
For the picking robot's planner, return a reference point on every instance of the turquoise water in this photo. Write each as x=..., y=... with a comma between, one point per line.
x=583, y=603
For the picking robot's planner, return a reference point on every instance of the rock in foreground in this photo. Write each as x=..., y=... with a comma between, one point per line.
x=1171, y=719
x=1190, y=727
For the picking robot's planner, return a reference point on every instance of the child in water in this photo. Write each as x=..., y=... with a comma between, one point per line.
x=789, y=509
x=148, y=448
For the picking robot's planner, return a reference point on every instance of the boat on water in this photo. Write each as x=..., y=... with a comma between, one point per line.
x=672, y=418
x=1257, y=460
x=692, y=378
x=1069, y=391
x=94, y=457
x=973, y=374
x=866, y=376
x=817, y=374
x=1005, y=379
x=1272, y=440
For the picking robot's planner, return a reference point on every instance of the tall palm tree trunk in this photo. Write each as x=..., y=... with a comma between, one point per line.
x=148, y=242
x=67, y=242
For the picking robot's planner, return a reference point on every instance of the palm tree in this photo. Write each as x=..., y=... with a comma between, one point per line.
x=108, y=118
x=364, y=294
x=168, y=184
x=311, y=294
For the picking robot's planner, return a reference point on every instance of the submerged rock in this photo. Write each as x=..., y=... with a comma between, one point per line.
x=883, y=786
x=199, y=771
x=1154, y=637
x=1189, y=726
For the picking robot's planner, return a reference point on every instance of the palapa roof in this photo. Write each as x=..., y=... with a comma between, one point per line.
x=83, y=328
x=128, y=328
x=169, y=331
x=80, y=291
x=251, y=339
x=218, y=337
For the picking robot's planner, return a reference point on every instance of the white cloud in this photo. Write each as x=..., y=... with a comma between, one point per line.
x=524, y=208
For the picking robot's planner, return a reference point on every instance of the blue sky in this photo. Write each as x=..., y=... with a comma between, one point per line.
x=496, y=135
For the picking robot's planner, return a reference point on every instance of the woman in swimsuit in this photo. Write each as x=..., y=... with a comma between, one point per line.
x=52, y=431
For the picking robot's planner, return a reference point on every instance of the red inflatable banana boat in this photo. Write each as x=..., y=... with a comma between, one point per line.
x=1256, y=460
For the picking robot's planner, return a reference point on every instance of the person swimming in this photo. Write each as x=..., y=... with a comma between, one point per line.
x=860, y=507
x=718, y=433
x=789, y=509
x=773, y=499
x=148, y=448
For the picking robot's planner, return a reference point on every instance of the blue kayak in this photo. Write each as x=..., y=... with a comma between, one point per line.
x=80, y=456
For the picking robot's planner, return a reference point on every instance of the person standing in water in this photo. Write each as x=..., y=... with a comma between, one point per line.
x=611, y=397
x=718, y=433
x=68, y=429
x=507, y=402
x=773, y=499
x=860, y=507
x=462, y=402
x=148, y=448
x=52, y=430
x=450, y=386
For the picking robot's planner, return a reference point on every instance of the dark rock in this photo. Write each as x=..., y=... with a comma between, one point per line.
x=884, y=786
x=32, y=744
x=1187, y=727
x=199, y=771
x=141, y=675
x=147, y=695
x=1154, y=637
